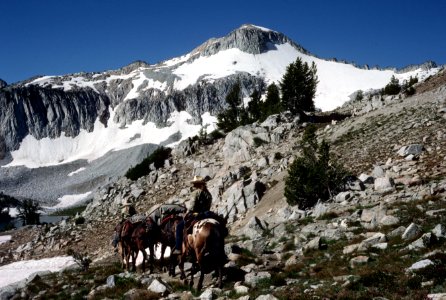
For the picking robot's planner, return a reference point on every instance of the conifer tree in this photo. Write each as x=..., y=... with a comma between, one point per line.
x=313, y=176
x=29, y=212
x=299, y=87
x=230, y=118
x=272, y=102
x=393, y=87
x=254, y=106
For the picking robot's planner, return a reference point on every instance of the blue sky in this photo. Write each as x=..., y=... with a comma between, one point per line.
x=55, y=37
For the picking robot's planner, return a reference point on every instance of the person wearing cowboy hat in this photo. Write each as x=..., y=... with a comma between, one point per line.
x=128, y=209
x=199, y=204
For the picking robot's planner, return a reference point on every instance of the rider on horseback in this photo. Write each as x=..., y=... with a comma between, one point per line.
x=127, y=211
x=200, y=205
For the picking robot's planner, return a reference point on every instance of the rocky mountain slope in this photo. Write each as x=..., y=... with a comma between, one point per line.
x=382, y=238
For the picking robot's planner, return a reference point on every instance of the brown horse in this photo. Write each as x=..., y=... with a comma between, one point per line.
x=206, y=247
x=135, y=238
x=126, y=244
x=168, y=231
x=146, y=235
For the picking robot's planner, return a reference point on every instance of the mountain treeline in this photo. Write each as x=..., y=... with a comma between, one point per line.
x=295, y=93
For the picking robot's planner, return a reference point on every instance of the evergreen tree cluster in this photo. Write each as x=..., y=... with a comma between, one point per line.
x=143, y=168
x=394, y=87
x=298, y=87
x=7, y=202
x=29, y=212
x=313, y=176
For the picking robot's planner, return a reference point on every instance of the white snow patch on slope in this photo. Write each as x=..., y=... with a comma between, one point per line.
x=34, y=153
x=77, y=171
x=176, y=60
x=258, y=27
x=21, y=270
x=69, y=200
x=139, y=80
x=336, y=80
x=270, y=65
x=4, y=238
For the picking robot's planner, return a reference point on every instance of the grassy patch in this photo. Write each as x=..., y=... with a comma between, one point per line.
x=246, y=257
x=328, y=216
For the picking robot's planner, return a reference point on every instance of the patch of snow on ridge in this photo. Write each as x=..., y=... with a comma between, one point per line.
x=34, y=153
x=21, y=270
x=69, y=200
x=4, y=238
x=77, y=171
x=139, y=80
x=271, y=65
x=42, y=81
x=258, y=27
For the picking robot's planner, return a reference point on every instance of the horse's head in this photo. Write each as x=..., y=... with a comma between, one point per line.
x=126, y=228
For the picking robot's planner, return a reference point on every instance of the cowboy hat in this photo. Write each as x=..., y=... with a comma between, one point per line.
x=198, y=179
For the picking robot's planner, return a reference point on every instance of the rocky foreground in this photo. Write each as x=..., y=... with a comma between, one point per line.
x=382, y=238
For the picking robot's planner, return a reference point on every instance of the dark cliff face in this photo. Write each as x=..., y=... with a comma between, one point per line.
x=195, y=99
x=45, y=112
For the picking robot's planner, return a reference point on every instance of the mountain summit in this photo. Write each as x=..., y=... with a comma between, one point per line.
x=249, y=39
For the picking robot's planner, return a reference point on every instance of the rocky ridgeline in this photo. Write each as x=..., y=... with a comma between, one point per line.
x=373, y=100
x=390, y=219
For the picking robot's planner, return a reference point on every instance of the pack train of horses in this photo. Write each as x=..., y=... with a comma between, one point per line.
x=203, y=245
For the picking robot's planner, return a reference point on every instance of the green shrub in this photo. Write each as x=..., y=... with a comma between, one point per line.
x=313, y=176
x=216, y=135
x=79, y=221
x=359, y=95
x=278, y=156
x=392, y=88
x=157, y=158
x=258, y=142
x=408, y=88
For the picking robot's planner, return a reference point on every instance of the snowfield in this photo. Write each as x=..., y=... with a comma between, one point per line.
x=35, y=153
x=4, y=238
x=21, y=270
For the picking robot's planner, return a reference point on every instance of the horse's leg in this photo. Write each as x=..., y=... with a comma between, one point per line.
x=151, y=257
x=181, y=266
x=200, y=281
x=172, y=263
x=121, y=254
x=132, y=253
x=127, y=257
x=163, y=249
x=191, y=283
x=220, y=276
x=144, y=258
